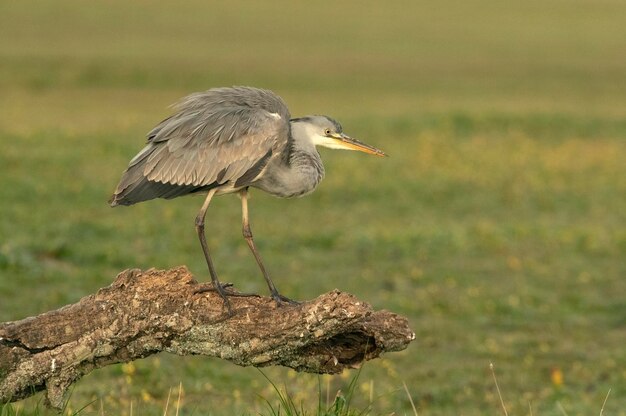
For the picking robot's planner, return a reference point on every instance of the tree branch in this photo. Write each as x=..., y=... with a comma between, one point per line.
x=143, y=313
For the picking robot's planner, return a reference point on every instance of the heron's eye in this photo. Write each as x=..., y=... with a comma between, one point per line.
x=327, y=132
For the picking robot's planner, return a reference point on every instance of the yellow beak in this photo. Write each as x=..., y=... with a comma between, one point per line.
x=348, y=142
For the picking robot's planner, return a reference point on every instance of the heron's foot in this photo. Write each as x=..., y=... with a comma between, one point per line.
x=225, y=289
x=284, y=300
x=208, y=287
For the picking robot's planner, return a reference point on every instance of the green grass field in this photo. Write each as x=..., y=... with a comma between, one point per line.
x=498, y=224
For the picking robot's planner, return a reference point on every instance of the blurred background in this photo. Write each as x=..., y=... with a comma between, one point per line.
x=497, y=225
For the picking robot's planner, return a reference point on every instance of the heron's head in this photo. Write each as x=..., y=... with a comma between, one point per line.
x=326, y=132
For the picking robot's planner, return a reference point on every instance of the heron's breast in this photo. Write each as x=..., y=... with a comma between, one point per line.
x=298, y=179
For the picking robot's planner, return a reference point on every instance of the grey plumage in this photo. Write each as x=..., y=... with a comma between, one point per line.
x=215, y=138
x=225, y=140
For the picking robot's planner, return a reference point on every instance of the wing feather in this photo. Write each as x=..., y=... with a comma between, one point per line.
x=215, y=137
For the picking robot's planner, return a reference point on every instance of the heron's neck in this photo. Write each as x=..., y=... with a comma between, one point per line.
x=305, y=165
x=302, y=144
x=299, y=172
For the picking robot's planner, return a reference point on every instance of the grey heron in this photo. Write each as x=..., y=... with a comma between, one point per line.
x=226, y=140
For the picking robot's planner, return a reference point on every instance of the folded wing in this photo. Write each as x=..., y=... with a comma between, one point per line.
x=221, y=137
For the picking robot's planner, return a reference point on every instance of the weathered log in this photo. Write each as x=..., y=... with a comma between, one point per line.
x=143, y=313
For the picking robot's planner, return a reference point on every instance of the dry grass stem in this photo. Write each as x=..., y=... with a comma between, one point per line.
x=604, y=403
x=493, y=373
x=410, y=398
x=180, y=390
x=167, y=402
x=560, y=406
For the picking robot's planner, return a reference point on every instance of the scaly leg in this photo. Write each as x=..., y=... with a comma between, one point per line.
x=217, y=286
x=247, y=234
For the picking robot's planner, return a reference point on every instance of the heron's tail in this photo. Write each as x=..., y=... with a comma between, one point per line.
x=146, y=190
x=134, y=187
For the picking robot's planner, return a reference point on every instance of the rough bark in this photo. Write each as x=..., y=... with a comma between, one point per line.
x=143, y=313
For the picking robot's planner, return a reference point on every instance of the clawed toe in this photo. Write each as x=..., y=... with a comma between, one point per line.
x=208, y=287
x=225, y=289
x=284, y=300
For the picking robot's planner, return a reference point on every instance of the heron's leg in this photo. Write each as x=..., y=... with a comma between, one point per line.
x=205, y=249
x=247, y=234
